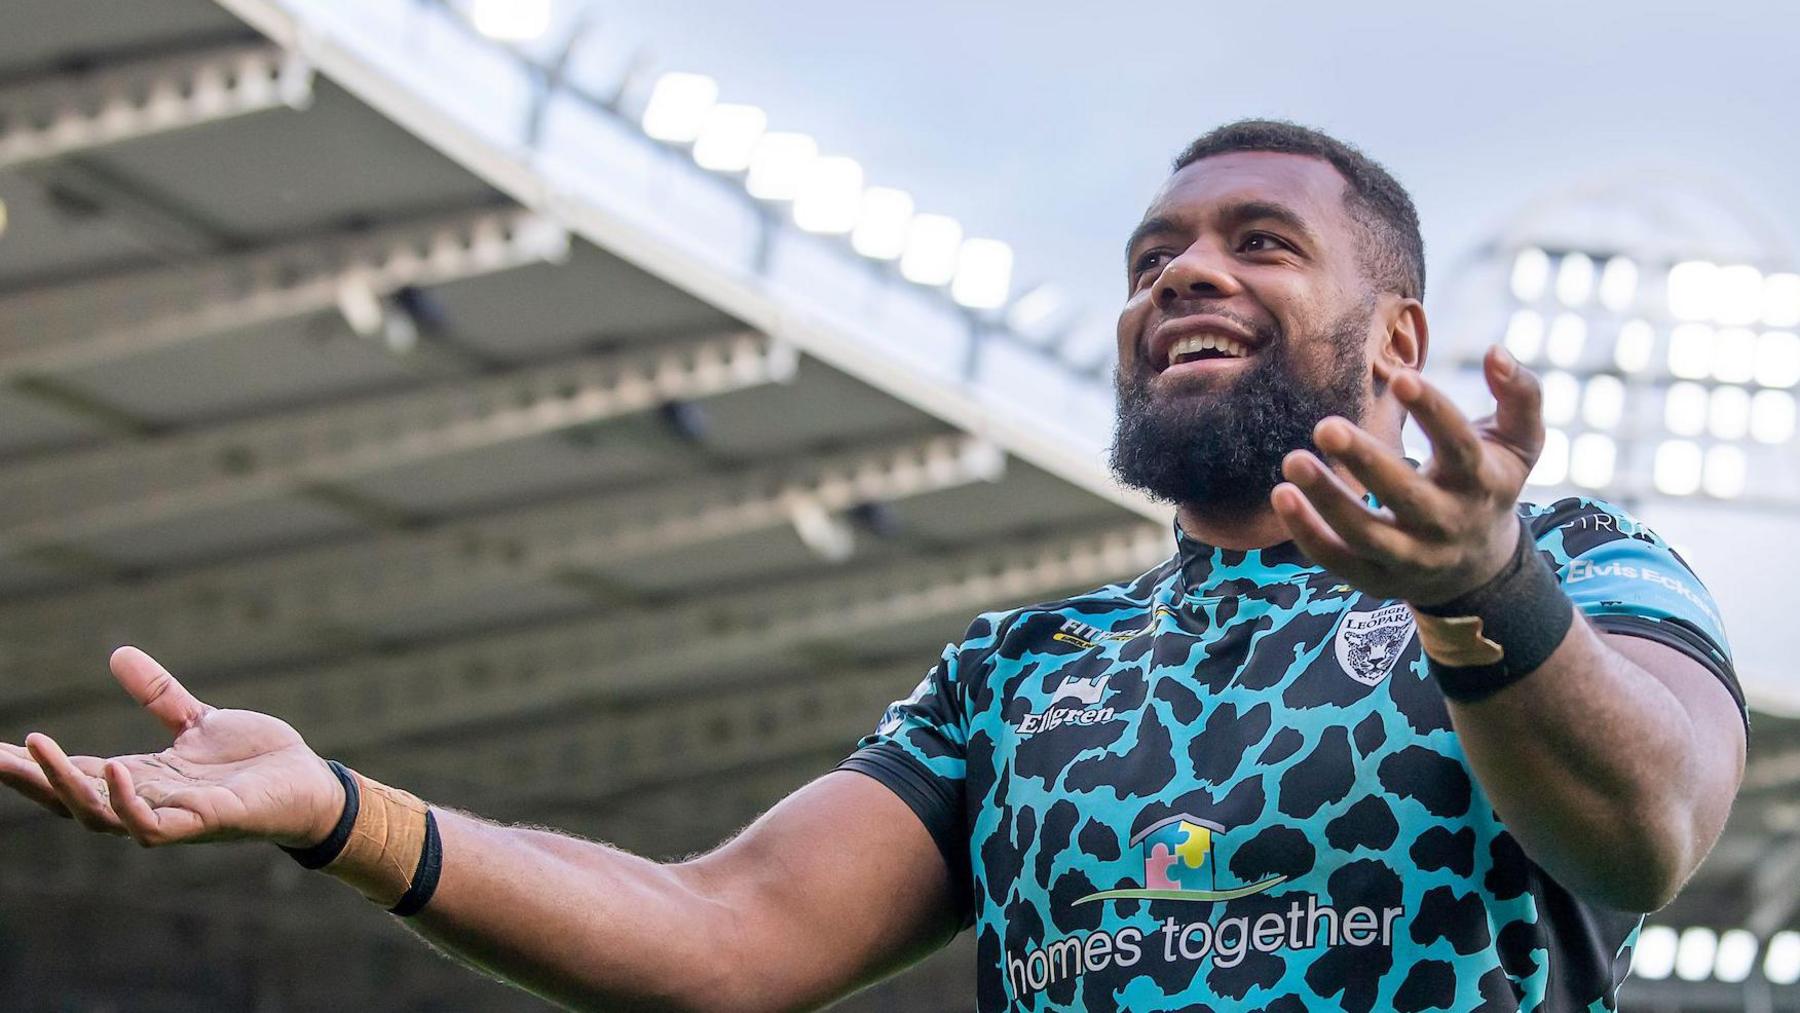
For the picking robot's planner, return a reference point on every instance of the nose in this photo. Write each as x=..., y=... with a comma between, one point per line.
x=1199, y=273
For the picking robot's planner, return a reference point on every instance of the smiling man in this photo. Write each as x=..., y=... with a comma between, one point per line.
x=1375, y=737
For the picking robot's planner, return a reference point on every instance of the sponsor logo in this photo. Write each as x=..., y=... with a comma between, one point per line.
x=1369, y=644
x=1180, y=865
x=1085, y=690
x=1586, y=569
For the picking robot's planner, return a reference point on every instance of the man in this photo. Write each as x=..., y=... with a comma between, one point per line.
x=1376, y=737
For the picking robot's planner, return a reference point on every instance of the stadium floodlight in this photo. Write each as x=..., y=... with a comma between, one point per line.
x=1693, y=289
x=1691, y=351
x=728, y=136
x=1685, y=408
x=678, y=106
x=983, y=274
x=1574, y=279
x=3, y=218
x=1734, y=354
x=1725, y=471
x=1728, y=416
x=1561, y=395
x=1618, y=284
x=1676, y=470
x=1694, y=953
x=881, y=225
x=1654, y=955
x=360, y=306
x=1740, y=295
x=1040, y=315
x=1591, y=459
x=1772, y=417
x=1525, y=334
x=511, y=20
x=1781, y=300
x=1553, y=461
x=932, y=243
x=1635, y=346
x=1530, y=274
x=1736, y=956
x=830, y=196
x=1778, y=359
x=1568, y=334
x=1603, y=402
x=778, y=165
x=1781, y=961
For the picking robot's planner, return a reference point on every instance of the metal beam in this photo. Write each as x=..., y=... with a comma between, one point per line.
x=376, y=700
x=69, y=113
x=260, y=608
x=48, y=330
x=116, y=488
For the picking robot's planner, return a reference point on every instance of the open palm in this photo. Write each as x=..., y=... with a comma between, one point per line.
x=229, y=773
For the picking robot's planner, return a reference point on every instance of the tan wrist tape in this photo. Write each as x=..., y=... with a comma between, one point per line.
x=1456, y=640
x=386, y=842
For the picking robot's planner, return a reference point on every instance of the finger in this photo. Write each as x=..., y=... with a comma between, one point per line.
x=1359, y=528
x=147, y=825
x=1309, y=531
x=160, y=693
x=1519, y=403
x=21, y=773
x=1455, y=446
x=78, y=792
x=1398, y=485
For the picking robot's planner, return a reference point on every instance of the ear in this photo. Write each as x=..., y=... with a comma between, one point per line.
x=1407, y=339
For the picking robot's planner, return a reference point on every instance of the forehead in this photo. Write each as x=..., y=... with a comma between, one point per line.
x=1311, y=187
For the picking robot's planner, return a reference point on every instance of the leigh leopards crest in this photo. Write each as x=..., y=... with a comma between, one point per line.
x=1369, y=644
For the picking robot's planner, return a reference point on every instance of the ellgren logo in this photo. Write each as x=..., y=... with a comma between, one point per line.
x=1179, y=864
x=1087, y=691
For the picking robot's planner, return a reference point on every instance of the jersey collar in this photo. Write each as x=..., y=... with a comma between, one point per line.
x=1209, y=571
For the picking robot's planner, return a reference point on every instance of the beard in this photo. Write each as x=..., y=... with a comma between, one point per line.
x=1218, y=450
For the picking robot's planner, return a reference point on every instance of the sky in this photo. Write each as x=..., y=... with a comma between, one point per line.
x=1049, y=125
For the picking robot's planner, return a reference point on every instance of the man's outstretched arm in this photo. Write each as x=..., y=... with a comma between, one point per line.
x=835, y=887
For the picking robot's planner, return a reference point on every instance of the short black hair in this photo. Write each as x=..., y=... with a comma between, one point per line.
x=1395, y=255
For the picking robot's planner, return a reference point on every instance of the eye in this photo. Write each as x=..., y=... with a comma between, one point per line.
x=1149, y=260
x=1261, y=242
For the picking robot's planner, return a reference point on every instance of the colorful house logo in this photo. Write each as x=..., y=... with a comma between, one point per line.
x=1179, y=864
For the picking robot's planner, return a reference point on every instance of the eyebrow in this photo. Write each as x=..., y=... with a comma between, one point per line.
x=1234, y=215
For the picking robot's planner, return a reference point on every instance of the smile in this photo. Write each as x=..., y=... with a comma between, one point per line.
x=1201, y=347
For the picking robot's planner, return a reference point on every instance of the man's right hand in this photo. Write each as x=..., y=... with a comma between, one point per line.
x=230, y=774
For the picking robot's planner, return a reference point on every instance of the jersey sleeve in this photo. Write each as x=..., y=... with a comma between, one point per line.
x=1628, y=581
x=918, y=750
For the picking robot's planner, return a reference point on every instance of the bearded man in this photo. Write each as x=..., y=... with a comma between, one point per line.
x=1376, y=736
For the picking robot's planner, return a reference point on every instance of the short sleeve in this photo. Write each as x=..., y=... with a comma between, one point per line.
x=1629, y=582
x=918, y=750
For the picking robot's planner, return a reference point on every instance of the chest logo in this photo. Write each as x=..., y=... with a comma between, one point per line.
x=1369, y=644
x=1086, y=691
x=1179, y=864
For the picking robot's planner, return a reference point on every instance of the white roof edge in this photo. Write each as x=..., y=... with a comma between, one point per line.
x=508, y=172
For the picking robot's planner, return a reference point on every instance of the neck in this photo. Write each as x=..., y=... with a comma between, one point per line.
x=1255, y=529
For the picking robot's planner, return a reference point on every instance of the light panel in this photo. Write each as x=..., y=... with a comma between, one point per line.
x=728, y=136
x=1603, y=402
x=1553, y=461
x=678, y=106
x=1693, y=289
x=1525, y=334
x=983, y=278
x=1530, y=274
x=1685, y=408
x=1691, y=351
x=1568, y=335
x=1676, y=470
x=1739, y=294
x=1562, y=393
x=829, y=198
x=1734, y=354
x=1728, y=414
x=932, y=244
x=1778, y=359
x=1635, y=346
x=1781, y=300
x=1618, y=284
x=881, y=225
x=1694, y=952
x=1591, y=460
x=1736, y=956
x=1653, y=958
x=511, y=20
x=1781, y=962
x=778, y=165
x=1772, y=417
x=1574, y=279
x=1725, y=471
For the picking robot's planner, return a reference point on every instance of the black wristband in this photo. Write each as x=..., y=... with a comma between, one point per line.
x=1522, y=609
x=321, y=854
x=425, y=877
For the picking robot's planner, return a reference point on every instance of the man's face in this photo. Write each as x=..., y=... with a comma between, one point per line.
x=1248, y=321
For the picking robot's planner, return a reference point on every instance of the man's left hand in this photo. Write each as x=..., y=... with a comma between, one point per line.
x=1441, y=530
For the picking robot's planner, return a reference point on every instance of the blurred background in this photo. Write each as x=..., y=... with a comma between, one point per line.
x=592, y=414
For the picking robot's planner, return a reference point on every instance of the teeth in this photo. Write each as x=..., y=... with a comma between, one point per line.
x=1203, y=342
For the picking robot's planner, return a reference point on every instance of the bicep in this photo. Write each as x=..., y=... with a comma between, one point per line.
x=837, y=886
x=1719, y=738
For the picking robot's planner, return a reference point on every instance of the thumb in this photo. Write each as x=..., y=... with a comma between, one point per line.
x=1519, y=402
x=156, y=690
